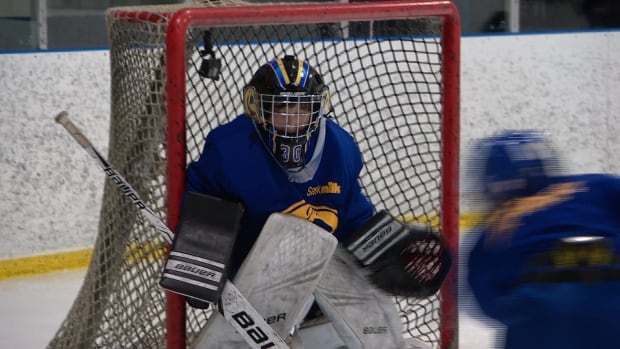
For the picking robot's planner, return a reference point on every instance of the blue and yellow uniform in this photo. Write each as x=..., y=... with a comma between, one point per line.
x=546, y=262
x=235, y=165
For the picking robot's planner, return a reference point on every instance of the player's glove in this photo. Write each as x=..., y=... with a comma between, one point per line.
x=197, y=265
x=402, y=259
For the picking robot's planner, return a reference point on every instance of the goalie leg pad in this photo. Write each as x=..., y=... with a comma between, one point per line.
x=197, y=264
x=278, y=276
x=364, y=316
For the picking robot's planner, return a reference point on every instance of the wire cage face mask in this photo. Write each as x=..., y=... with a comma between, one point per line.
x=289, y=116
x=286, y=99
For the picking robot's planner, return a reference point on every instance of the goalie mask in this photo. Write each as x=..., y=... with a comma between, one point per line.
x=286, y=99
x=515, y=164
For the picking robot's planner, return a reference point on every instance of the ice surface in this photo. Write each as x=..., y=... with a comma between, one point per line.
x=32, y=309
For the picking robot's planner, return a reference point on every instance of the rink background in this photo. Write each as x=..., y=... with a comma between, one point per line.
x=565, y=83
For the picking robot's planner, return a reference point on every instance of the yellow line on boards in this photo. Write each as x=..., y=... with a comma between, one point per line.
x=34, y=265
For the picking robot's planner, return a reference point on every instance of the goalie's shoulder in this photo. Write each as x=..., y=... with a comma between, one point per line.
x=229, y=132
x=336, y=131
x=232, y=141
x=341, y=142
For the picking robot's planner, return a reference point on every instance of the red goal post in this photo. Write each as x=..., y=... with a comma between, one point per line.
x=393, y=72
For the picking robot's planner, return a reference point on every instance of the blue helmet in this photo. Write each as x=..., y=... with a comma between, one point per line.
x=515, y=163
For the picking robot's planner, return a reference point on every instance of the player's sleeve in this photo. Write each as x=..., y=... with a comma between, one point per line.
x=358, y=208
x=358, y=211
x=205, y=175
x=492, y=277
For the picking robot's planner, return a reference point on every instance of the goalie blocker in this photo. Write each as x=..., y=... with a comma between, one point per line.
x=402, y=259
x=197, y=263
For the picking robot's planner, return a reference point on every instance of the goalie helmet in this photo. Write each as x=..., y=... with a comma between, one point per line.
x=286, y=98
x=516, y=163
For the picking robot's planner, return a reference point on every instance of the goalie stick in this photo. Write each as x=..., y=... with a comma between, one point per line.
x=240, y=314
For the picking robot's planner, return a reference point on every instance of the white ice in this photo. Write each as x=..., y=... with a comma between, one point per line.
x=32, y=309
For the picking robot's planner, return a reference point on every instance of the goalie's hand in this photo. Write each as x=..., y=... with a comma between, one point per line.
x=414, y=267
x=404, y=260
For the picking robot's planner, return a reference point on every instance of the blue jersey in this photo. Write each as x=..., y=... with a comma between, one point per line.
x=236, y=165
x=524, y=272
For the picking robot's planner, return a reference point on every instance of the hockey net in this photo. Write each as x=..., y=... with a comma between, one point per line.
x=393, y=72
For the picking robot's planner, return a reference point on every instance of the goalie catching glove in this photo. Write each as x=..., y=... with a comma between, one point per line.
x=402, y=259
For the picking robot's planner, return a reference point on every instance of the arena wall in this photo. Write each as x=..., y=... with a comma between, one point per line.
x=567, y=84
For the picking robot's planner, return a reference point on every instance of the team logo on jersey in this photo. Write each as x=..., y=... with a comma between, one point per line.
x=323, y=216
x=329, y=188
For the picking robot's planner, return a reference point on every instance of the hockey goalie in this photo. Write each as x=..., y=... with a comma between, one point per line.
x=295, y=172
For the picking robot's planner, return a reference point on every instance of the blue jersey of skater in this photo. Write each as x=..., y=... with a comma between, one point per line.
x=546, y=262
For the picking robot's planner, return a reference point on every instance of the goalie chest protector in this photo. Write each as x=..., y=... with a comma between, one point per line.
x=197, y=265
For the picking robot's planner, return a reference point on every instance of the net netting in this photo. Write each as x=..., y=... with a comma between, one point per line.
x=393, y=77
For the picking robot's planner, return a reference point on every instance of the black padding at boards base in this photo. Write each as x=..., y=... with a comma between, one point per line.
x=197, y=265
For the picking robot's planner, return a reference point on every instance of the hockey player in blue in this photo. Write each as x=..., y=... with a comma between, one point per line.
x=546, y=263
x=284, y=155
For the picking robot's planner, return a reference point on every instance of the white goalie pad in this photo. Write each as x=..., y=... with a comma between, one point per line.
x=364, y=316
x=277, y=277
